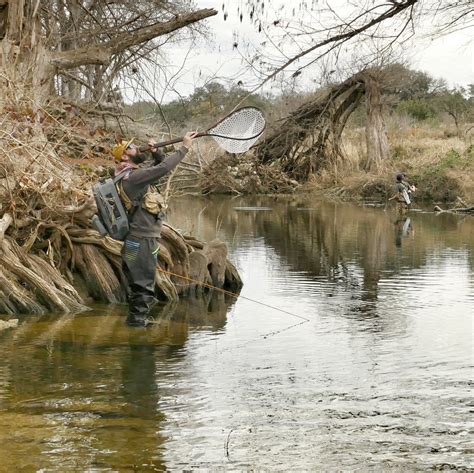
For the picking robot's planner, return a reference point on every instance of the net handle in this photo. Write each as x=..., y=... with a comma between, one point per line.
x=161, y=144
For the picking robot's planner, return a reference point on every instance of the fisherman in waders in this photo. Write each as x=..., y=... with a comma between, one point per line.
x=403, y=191
x=145, y=208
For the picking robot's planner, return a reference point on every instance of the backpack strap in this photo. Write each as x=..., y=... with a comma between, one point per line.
x=130, y=205
x=121, y=175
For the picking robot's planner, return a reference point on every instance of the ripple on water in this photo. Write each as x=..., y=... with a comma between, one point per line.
x=378, y=377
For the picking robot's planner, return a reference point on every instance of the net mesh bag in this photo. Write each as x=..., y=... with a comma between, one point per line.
x=239, y=131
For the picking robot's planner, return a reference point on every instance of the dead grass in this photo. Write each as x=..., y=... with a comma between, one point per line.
x=440, y=164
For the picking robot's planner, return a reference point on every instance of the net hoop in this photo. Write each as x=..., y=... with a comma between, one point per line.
x=238, y=131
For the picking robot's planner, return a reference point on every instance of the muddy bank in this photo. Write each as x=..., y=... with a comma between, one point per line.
x=445, y=179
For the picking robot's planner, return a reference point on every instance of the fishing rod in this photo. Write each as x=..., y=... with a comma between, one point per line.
x=233, y=294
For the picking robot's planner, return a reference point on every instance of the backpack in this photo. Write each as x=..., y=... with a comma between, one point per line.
x=406, y=196
x=112, y=217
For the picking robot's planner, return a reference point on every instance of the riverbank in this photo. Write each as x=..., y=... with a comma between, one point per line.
x=441, y=167
x=435, y=159
x=51, y=260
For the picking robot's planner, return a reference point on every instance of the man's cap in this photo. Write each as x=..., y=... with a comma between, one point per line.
x=119, y=149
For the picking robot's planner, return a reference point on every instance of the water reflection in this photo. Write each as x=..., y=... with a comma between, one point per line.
x=378, y=377
x=403, y=228
x=370, y=380
x=342, y=248
x=83, y=391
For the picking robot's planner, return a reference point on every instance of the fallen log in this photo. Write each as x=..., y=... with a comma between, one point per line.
x=463, y=210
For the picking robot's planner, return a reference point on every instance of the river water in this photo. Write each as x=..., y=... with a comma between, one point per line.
x=350, y=348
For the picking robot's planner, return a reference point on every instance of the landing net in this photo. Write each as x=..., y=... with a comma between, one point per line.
x=239, y=131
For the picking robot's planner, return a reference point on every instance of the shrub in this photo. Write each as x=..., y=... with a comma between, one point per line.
x=435, y=183
x=416, y=108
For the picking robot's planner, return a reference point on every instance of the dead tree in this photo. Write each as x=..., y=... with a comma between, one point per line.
x=309, y=140
x=33, y=53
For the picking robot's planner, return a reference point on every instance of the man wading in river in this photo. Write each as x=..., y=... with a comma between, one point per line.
x=403, y=191
x=145, y=206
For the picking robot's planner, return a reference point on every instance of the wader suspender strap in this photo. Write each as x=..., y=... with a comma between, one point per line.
x=121, y=175
x=135, y=206
x=134, y=203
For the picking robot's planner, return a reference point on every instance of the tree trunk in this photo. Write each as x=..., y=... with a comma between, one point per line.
x=375, y=132
x=25, y=63
x=456, y=123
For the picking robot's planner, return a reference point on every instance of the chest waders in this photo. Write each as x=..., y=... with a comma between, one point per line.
x=139, y=259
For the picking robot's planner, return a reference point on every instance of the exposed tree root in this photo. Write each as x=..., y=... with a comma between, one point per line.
x=46, y=244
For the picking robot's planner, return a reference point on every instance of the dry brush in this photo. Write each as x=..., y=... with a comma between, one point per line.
x=50, y=257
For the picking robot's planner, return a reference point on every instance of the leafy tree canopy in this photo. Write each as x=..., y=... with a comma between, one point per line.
x=202, y=108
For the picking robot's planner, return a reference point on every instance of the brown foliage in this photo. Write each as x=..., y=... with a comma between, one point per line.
x=243, y=174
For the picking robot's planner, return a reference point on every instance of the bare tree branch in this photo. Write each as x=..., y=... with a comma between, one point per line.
x=102, y=54
x=336, y=40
